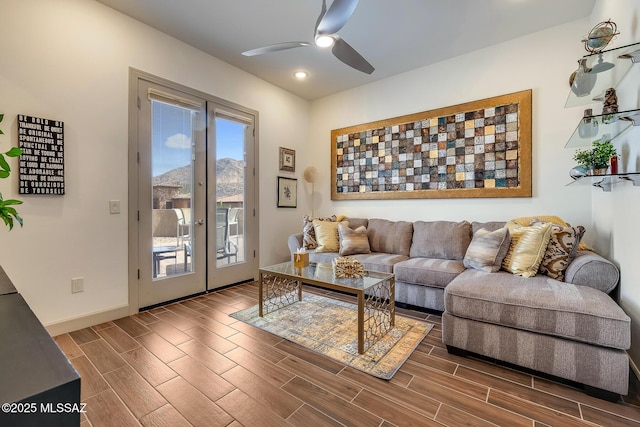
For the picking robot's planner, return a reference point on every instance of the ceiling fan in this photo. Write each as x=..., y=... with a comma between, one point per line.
x=325, y=34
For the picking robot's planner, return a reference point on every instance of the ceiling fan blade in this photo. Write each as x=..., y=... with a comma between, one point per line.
x=275, y=48
x=336, y=17
x=345, y=53
x=322, y=13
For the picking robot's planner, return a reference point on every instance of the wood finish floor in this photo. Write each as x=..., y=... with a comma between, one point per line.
x=189, y=363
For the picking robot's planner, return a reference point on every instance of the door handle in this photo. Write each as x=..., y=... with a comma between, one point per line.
x=200, y=222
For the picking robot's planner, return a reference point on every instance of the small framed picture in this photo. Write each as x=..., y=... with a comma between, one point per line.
x=287, y=192
x=287, y=159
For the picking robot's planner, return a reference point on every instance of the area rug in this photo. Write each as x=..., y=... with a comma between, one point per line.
x=329, y=327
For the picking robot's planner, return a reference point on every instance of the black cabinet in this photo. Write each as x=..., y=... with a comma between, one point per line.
x=38, y=385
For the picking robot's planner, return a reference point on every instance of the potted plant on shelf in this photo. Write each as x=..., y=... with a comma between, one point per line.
x=8, y=212
x=596, y=160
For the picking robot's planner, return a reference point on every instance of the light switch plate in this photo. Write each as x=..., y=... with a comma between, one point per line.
x=114, y=206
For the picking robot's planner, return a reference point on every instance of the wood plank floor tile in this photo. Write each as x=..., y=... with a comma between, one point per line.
x=249, y=412
x=167, y=416
x=310, y=356
x=340, y=409
x=176, y=320
x=257, y=347
x=101, y=326
x=214, y=326
x=256, y=333
x=401, y=378
x=452, y=417
x=91, y=382
x=193, y=405
x=433, y=362
x=102, y=356
x=131, y=326
x=605, y=418
x=216, y=315
x=337, y=385
x=68, y=346
x=308, y=416
x=193, y=304
x=490, y=368
x=462, y=401
x=524, y=393
x=107, y=410
x=259, y=366
x=539, y=413
x=475, y=390
x=405, y=397
x=209, y=358
x=389, y=411
x=118, y=339
x=211, y=340
x=83, y=336
x=145, y=317
x=148, y=366
x=180, y=308
x=280, y=402
x=219, y=306
x=139, y=396
x=211, y=385
x=160, y=347
x=169, y=332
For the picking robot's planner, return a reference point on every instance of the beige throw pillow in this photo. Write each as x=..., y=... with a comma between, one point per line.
x=487, y=250
x=353, y=241
x=528, y=246
x=327, y=235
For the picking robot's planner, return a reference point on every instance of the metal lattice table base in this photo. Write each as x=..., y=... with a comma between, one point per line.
x=379, y=314
x=277, y=292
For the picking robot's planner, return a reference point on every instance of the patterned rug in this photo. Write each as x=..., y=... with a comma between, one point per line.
x=329, y=327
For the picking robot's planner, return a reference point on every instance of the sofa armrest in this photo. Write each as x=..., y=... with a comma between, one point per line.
x=294, y=242
x=590, y=269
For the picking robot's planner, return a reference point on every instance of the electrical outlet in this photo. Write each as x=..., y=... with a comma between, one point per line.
x=77, y=285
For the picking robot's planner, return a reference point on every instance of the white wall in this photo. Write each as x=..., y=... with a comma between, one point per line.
x=542, y=62
x=69, y=60
x=615, y=214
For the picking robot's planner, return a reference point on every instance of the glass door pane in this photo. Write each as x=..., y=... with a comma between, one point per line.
x=172, y=171
x=230, y=192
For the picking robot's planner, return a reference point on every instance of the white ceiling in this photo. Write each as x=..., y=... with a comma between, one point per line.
x=394, y=36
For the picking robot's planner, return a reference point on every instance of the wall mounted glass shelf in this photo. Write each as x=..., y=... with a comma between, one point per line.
x=606, y=181
x=599, y=72
x=593, y=128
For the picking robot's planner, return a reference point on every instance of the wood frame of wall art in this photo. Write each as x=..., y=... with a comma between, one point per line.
x=476, y=149
x=287, y=159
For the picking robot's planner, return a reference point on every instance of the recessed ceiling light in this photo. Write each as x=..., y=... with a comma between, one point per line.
x=301, y=75
x=324, y=41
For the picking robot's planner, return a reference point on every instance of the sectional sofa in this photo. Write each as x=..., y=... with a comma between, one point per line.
x=570, y=329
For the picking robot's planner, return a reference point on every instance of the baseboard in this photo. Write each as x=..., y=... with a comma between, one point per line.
x=86, y=320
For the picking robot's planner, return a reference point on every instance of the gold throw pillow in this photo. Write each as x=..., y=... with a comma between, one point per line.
x=528, y=246
x=327, y=235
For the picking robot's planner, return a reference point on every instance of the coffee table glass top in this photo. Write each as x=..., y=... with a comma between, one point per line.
x=318, y=272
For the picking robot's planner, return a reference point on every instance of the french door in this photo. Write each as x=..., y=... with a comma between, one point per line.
x=193, y=208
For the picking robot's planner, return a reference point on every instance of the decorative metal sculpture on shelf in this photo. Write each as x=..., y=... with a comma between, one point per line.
x=610, y=103
x=600, y=36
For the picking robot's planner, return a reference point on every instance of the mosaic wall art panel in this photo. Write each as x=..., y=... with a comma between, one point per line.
x=478, y=149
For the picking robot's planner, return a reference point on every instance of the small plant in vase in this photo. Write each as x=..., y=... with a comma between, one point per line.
x=8, y=212
x=596, y=160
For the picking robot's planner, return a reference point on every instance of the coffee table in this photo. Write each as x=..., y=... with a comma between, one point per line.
x=280, y=285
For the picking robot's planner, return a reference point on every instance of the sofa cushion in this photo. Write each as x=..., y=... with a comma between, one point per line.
x=322, y=257
x=390, y=237
x=327, y=235
x=440, y=239
x=487, y=249
x=309, y=233
x=528, y=246
x=353, y=241
x=539, y=304
x=380, y=261
x=428, y=271
x=561, y=250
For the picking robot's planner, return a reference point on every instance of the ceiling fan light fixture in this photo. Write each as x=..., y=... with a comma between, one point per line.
x=300, y=75
x=324, y=41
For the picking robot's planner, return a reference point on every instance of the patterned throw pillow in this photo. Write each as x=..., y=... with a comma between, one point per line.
x=528, y=246
x=327, y=235
x=561, y=250
x=353, y=241
x=487, y=250
x=308, y=232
